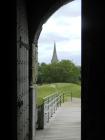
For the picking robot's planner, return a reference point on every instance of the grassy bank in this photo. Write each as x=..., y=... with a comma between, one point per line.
x=66, y=88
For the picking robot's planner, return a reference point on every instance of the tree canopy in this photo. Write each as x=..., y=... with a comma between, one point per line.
x=63, y=71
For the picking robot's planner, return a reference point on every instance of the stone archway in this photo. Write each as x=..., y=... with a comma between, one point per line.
x=33, y=56
x=34, y=16
x=29, y=26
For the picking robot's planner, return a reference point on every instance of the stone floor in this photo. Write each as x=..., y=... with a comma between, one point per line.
x=65, y=123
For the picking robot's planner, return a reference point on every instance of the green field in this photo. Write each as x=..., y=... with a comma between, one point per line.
x=66, y=88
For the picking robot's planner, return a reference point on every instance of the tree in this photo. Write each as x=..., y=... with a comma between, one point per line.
x=63, y=71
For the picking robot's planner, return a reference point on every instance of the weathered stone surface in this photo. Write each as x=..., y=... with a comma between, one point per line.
x=22, y=73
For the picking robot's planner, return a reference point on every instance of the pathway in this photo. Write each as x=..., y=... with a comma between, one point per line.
x=65, y=123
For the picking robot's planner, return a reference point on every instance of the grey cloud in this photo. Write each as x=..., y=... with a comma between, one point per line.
x=62, y=55
x=47, y=39
x=67, y=55
x=51, y=37
x=71, y=9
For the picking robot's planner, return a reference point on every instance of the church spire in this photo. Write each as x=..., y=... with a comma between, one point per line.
x=54, y=58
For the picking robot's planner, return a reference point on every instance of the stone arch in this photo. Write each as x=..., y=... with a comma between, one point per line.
x=92, y=55
x=29, y=25
x=33, y=37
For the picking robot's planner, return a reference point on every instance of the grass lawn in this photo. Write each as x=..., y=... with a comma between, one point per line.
x=48, y=89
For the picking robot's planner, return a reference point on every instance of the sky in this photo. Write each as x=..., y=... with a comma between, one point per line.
x=63, y=27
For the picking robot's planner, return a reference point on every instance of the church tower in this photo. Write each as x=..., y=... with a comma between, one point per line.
x=54, y=58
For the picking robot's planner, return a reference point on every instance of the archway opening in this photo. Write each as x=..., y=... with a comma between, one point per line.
x=65, y=36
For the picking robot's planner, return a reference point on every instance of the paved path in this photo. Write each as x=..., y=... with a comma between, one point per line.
x=65, y=123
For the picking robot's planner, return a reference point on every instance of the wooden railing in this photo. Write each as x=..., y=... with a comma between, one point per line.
x=46, y=110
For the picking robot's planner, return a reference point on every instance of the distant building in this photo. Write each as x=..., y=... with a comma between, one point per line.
x=54, y=57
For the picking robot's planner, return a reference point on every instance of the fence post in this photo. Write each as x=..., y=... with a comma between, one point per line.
x=63, y=97
x=40, y=120
x=54, y=103
x=57, y=101
x=60, y=100
x=48, y=110
x=71, y=96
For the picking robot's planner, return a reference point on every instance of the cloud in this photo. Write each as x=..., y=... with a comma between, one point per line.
x=51, y=37
x=70, y=56
x=57, y=24
x=63, y=27
x=66, y=30
x=61, y=55
x=72, y=9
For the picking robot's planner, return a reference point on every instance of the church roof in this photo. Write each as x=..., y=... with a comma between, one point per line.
x=54, y=57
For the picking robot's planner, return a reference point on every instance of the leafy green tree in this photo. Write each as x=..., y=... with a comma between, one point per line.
x=63, y=71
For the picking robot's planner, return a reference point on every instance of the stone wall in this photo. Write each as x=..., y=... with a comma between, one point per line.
x=22, y=72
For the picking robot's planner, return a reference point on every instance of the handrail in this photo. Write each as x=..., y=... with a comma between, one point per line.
x=48, y=108
x=50, y=95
